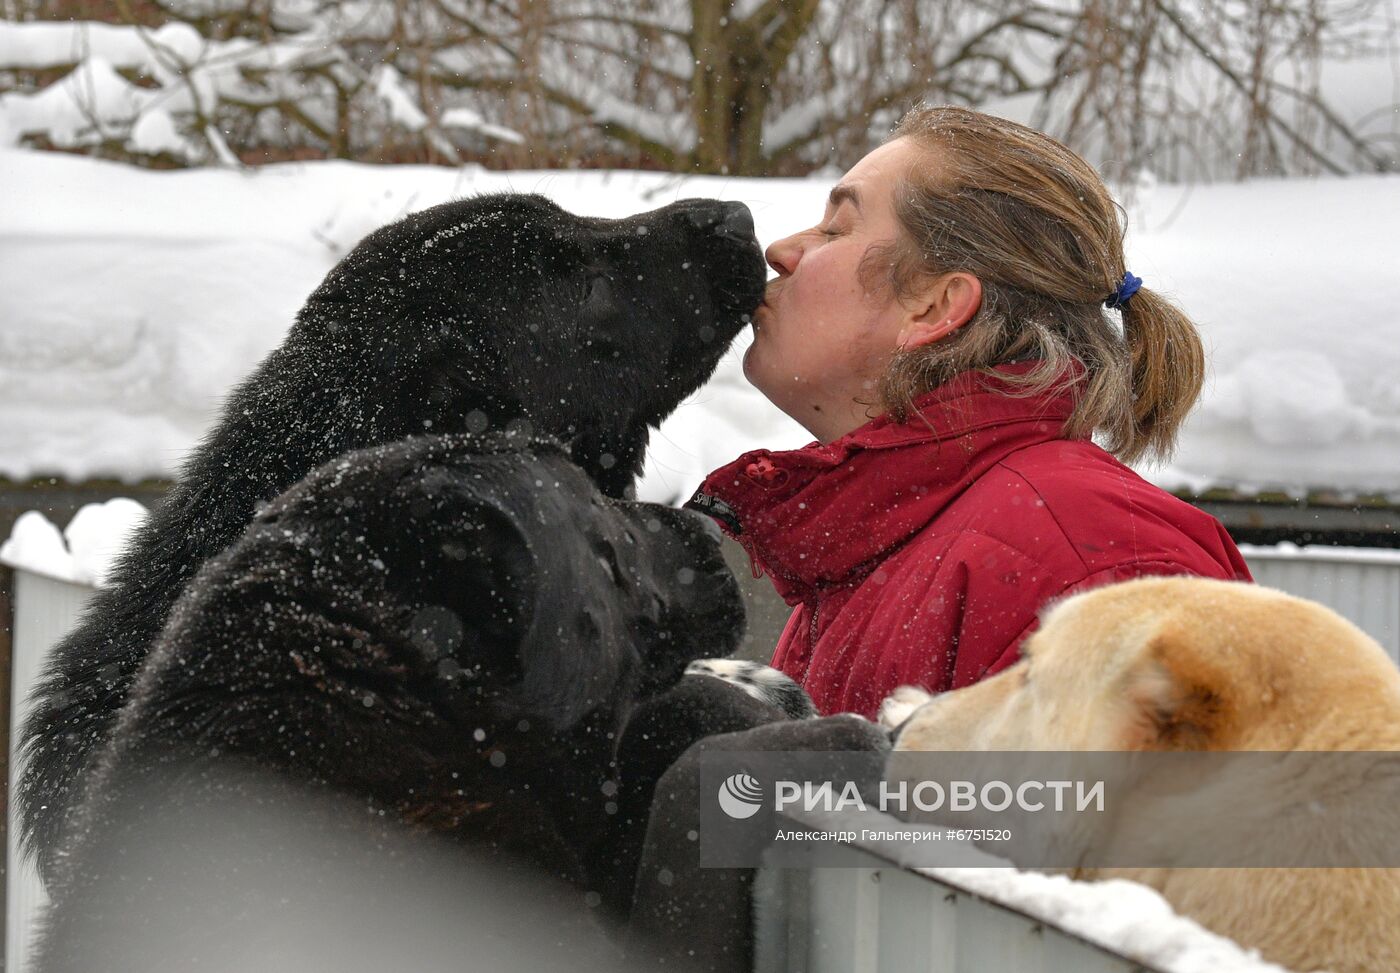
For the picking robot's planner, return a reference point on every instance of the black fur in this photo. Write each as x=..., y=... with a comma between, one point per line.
x=489, y=313
x=688, y=913
x=659, y=731
x=449, y=634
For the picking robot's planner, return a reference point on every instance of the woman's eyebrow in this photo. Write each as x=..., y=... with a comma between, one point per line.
x=843, y=194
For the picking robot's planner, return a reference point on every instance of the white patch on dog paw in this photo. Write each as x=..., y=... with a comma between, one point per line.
x=900, y=705
x=762, y=682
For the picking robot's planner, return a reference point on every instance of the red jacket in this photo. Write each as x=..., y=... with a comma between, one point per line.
x=920, y=552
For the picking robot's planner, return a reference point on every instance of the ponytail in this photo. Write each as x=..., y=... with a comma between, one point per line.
x=1168, y=366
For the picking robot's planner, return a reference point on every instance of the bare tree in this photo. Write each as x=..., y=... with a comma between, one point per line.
x=1205, y=88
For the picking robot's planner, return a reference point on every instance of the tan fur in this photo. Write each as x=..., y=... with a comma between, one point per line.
x=1195, y=664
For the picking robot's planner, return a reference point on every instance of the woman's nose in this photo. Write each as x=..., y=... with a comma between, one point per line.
x=784, y=255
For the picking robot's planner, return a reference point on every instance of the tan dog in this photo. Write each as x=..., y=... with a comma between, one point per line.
x=1173, y=664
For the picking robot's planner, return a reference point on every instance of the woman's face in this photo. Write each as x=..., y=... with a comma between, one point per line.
x=821, y=341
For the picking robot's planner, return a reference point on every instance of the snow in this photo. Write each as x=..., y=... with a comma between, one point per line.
x=1123, y=916
x=94, y=99
x=37, y=545
x=84, y=553
x=674, y=129
x=52, y=44
x=134, y=299
x=93, y=103
x=390, y=85
x=1286, y=280
x=472, y=121
x=155, y=132
x=1287, y=551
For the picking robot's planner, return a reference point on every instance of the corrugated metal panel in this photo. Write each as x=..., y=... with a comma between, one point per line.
x=45, y=610
x=1360, y=584
x=918, y=923
x=851, y=945
x=884, y=919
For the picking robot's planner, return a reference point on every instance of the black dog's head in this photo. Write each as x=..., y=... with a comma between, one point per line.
x=590, y=330
x=572, y=604
x=406, y=612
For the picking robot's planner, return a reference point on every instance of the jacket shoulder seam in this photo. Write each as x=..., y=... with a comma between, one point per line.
x=1049, y=512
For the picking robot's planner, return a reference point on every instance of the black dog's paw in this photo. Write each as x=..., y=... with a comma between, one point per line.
x=763, y=683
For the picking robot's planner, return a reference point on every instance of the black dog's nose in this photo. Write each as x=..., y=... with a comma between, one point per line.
x=730, y=220
x=737, y=223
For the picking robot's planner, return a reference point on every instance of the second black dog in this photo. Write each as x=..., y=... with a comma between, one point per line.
x=448, y=635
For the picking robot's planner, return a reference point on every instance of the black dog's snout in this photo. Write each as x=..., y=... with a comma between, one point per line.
x=737, y=223
x=731, y=220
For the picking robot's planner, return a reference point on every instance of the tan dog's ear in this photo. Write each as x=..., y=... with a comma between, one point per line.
x=1174, y=699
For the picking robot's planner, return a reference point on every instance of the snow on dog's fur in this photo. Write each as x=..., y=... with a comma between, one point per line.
x=1182, y=664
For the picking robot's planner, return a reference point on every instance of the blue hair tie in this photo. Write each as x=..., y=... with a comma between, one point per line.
x=1120, y=298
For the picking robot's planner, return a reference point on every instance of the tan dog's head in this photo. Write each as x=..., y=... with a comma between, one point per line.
x=1175, y=664
x=1186, y=664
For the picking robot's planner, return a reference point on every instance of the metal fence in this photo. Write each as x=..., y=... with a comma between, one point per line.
x=829, y=917
x=1360, y=584
x=44, y=611
x=877, y=915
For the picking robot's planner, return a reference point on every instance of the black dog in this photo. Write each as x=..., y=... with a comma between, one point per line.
x=450, y=634
x=489, y=313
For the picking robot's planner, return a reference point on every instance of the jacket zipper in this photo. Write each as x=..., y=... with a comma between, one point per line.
x=812, y=632
x=755, y=566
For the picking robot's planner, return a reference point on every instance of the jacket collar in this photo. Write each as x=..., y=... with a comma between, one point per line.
x=825, y=514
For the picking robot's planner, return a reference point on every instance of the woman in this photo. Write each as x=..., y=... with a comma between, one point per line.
x=950, y=334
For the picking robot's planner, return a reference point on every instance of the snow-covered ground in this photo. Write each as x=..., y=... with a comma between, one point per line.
x=131, y=300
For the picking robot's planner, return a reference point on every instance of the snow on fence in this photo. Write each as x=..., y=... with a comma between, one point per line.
x=819, y=919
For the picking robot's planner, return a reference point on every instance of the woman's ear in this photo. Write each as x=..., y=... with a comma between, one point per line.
x=950, y=302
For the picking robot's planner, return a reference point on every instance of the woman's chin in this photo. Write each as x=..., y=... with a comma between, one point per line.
x=758, y=371
x=749, y=365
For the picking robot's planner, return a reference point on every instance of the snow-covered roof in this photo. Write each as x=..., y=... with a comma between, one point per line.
x=134, y=299
x=85, y=552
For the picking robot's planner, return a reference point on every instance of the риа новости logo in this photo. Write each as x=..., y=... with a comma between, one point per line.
x=740, y=796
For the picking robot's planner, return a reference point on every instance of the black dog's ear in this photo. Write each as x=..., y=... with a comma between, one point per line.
x=540, y=627
x=477, y=584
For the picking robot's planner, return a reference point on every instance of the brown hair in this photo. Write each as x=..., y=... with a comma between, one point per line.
x=1036, y=225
